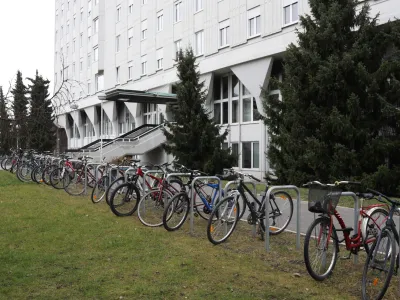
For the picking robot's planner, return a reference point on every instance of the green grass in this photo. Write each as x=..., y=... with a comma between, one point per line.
x=54, y=246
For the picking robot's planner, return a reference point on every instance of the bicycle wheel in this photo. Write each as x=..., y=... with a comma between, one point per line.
x=37, y=174
x=99, y=189
x=46, y=173
x=372, y=226
x=223, y=220
x=379, y=266
x=57, y=178
x=176, y=212
x=280, y=212
x=24, y=173
x=320, y=249
x=124, y=199
x=151, y=207
x=74, y=183
x=117, y=182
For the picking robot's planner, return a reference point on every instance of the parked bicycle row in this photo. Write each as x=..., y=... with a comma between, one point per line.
x=163, y=195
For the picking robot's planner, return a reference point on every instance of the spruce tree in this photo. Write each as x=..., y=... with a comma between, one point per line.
x=5, y=127
x=193, y=138
x=339, y=117
x=41, y=120
x=20, y=110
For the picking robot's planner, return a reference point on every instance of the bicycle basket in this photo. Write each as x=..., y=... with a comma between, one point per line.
x=323, y=199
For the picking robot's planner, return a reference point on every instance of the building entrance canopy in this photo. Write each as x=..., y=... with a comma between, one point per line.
x=139, y=96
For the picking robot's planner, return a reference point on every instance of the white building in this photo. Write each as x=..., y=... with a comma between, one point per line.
x=125, y=47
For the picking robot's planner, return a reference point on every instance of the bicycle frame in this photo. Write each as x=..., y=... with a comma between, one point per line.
x=199, y=190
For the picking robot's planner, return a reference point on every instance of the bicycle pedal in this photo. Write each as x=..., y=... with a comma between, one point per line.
x=196, y=215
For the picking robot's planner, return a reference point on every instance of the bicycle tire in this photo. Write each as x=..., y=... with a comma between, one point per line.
x=57, y=179
x=46, y=173
x=321, y=236
x=176, y=212
x=112, y=187
x=124, y=199
x=374, y=264
x=151, y=207
x=99, y=190
x=24, y=172
x=37, y=174
x=285, y=210
x=74, y=183
x=368, y=231
x=226, y=213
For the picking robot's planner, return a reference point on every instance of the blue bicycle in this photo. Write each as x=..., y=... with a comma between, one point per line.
x=205, y=198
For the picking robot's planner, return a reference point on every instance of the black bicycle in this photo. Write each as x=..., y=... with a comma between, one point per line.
x=226, y=214
x=381, y=260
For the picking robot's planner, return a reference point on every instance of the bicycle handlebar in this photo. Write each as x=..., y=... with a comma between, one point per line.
x=394, y=202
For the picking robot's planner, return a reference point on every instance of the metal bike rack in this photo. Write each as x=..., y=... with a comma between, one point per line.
x=356, y=214
x=193, y=195
x=282, y=187
x=127, y=171
x=255, y=194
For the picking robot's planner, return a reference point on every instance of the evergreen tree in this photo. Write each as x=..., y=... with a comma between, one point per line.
x=20, y=110
x=339, y=118
x=194, y=138
x=5, y=127
x=40, y=121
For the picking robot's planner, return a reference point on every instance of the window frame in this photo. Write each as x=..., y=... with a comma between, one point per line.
x=290, y=6
x=252, y=156
x=197, y=52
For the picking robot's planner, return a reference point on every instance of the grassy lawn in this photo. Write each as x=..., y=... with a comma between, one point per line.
x=54, y=246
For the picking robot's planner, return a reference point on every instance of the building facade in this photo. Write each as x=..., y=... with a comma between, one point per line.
x=108, y=45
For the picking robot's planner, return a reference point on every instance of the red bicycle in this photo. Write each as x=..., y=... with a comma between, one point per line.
x=321, y=245
x=124, y=200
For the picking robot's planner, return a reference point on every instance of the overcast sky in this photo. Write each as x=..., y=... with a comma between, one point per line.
x=26, y=39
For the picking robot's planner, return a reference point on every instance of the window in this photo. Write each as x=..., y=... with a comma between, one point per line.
x=89, y=8
x=254, y=23
x=73, y=46
x=144, y=65
x=177, y=11
x=96, y=54
x=96, y=25
x=89, y=87
x=291, y=13
x=224, y=33
x=89, y=60
x=67, y=26
x=130, y=70
x=81, y=40
x=118, y=13
x=144, y=1
x=250, y=155
x=200, y=43
x=249, y=106
x=144, y=29
x=81, y=14
x=130, y=7
x=96, y=2
x=130, y=37
x=89, y=33
x=199, y=5
x=81, y=65
x=235, y=152
x=235, y=99
x=74, y=22
x=99, y=82
x=221, y=105
x=73, y=70
x=117, y=43
x=178, y=47
x=117, y=75
x=159, y=57
x=160, y=20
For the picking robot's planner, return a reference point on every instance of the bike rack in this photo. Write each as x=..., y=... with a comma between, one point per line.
x=193, y=195
x=282, y=187
x=356, y=214
x=255, y=194
x=127, y=171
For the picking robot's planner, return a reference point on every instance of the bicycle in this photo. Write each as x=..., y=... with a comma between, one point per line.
x=177, y=209
x=225, y=216
x=380, y=264
x=321, y=245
